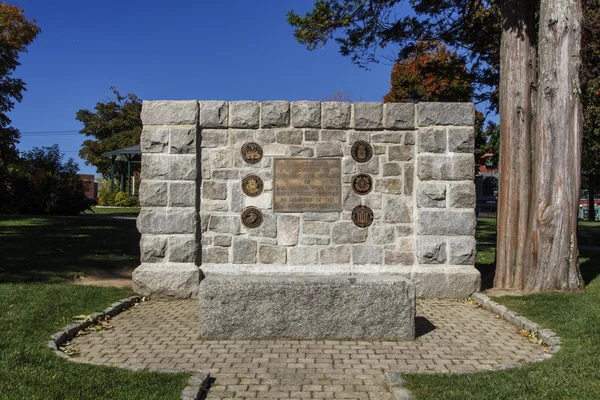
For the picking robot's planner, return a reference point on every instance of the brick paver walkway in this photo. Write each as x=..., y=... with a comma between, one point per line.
x=452, y=337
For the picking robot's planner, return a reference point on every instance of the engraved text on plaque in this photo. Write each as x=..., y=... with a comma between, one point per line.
x=307, y=184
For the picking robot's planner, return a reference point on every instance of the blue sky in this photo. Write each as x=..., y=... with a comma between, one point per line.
x=220, y=50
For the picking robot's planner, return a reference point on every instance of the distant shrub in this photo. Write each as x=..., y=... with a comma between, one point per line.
x=122, y=199
x=106, y=197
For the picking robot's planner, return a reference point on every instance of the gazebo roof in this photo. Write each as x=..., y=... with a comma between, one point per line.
x=134, y=153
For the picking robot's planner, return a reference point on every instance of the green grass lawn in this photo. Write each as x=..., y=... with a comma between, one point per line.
x=114, y=210
x=573, y=373
x=57, y=249
x=54, y=249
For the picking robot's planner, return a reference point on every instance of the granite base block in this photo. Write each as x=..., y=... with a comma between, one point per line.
x=166, y=281
x=260, y=307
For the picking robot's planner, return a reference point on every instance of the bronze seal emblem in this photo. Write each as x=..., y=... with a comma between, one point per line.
x=252, y=185
x=252, y=217
x=252, y=152
x=361, y=151
x=362, y=216
x=362, y=183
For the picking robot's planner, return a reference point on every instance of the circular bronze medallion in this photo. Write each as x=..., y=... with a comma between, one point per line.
x=362, y=216
x=252, y=185
x=361, y=151
x=252, y=152
x=252, y=217
x=362, y=183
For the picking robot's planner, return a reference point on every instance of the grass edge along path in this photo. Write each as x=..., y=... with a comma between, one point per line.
x=30, y=314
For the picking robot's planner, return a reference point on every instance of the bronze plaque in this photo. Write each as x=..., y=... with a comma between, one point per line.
x=307, y=184
x=252, y=152
x=252, y=217
x=361, y=151
x=362, y=216
x=362, y=183
x=252, y=185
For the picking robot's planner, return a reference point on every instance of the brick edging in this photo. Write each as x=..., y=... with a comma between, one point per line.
x=394, y=380
x=197, y=382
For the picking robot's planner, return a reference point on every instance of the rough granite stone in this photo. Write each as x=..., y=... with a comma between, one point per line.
x=397, y=209
x=302, y=255
x=432, y=140
x=316, y=228
x=306, y=114
x=398, y=257
x=182, y=140
x=447, y=222
x=431, y=195
x=462, y=195
x=274, y=114
x=452, y=167
x=335, y=255
x=329, y=135
x=431, y=250
x=288, y=227
x=400, y=153
x=244, y=250
x=169, y=167
x=243, y=114
x=213, y=114
x=389, y=185
x=290, y=136
x=307, y=307
x=409, y=178
x=167, y=221
x=328, y=149
x=318, y=216
x=367, y=254
x=311, y=135
x=272, y=254
x=459, y=114
x=399, y=116
x=154, y=139
x=153, y=248
x=314, y=241
x=446, y=282
x=383, y=234
x=226, y=174
x=210, y=138
x=153, y=193
x=300, y=151
x=214, y=190
x=370, y=167
x=461, y=140
x=386, y=137
x=215, y=255
x=163, y=281
x=335, y=115
x=182, y=249
x=463, y=250
x=348, y=233
x=409, y=138
x=182, y=194
x=225, y=224
x=268, y=229
x=161, y=112
x=222, y=240
x=368, y=115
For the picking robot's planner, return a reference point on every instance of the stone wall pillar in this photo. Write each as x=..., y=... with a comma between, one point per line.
x=169, y=198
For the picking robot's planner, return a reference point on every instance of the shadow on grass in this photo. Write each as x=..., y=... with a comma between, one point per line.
x=55, y=249
x=589, y=265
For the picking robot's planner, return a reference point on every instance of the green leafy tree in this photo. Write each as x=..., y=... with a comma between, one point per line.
x=112, y=125
x=42, y=183
x=16, y=33
x=590, y=100
x=537, y=95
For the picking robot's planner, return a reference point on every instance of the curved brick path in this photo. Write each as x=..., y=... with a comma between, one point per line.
x=453, y=337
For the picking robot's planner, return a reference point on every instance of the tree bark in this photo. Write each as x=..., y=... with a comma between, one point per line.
x=556, y=152
x=517, y=83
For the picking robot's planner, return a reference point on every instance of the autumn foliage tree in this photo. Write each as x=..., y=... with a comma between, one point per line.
x=533, y=79
x=16, y=33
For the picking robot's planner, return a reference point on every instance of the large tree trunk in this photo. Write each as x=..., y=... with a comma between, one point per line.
x=517, y=83
x=556, y=152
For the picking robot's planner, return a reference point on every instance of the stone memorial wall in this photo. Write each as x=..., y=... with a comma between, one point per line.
x=307, y=189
